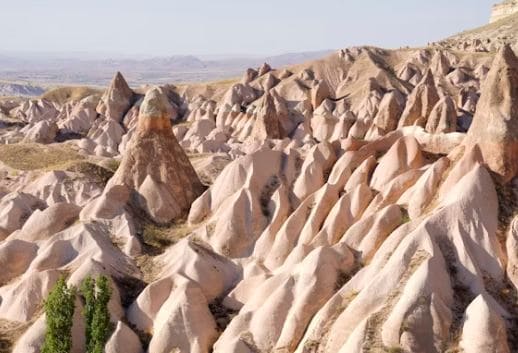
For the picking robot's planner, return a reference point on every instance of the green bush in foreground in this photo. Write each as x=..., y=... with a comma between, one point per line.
x=88, y=292
x=59, y=310
x=97, y=294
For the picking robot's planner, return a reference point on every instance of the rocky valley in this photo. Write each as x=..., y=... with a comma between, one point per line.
x=363, y=202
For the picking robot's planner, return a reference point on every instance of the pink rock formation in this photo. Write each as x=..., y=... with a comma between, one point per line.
x=495, y=125
x=267, y=123
x=117, y=99
x=40, y=132
x=420, y=102
x=390, y=110
x=343, y=210
x=443, y=117
x=166, y=184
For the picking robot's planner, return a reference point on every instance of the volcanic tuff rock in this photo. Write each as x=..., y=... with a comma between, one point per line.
x=353, y=205
x=33, y=111
x=264, y=69
x=502, y=30
x=81, y=117
x=249, y=76
x=267, y=123
x=42, y=132
x=116, y=100
x=495, y=124
x=420, y=102
x=443, y=117
x=390, y=110
x=155, y=166
x=504, y=9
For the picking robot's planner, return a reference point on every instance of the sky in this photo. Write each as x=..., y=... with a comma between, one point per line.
x=228, y=27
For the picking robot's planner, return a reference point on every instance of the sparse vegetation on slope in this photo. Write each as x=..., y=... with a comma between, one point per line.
x=345, y=204
x=10, y=332
x=31, y=156
x=62, y=95
x=93, y=171
x=163, y=236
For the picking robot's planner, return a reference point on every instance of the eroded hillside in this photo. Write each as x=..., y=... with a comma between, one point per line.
x=364, y=202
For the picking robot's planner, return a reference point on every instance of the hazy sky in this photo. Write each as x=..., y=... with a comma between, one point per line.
x=205, y=27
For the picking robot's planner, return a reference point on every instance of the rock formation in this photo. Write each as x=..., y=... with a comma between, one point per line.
x=443, y=117
x=264, y=69
x=155, y=166
x=502, y=10
x=116, y=100
x=363, y=202
x=501, y=31
x=420, y=102
x=495, y=125
x=41, y=132
x=390, y=110
x=267, y=123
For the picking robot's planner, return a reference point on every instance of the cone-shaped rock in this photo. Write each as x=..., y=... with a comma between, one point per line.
x=443, y=118
x=116, y=100
x=249, y=76
x=420, y=102
x=390, y=109
x=267, y=123
x=264, y=69
x=440, y=64
x=155, y=166
x=495, y=124
x=319, y=93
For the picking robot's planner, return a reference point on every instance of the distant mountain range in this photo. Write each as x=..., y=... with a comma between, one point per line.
x=53, y=71
x=10, y=89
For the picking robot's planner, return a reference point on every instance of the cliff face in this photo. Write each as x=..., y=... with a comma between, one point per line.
x=503, y=10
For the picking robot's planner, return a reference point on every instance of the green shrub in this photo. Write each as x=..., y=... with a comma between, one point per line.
x=97, y=294
x=88, y=292
x=59, y=310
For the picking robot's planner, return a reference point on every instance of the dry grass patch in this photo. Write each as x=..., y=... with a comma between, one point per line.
x=9, y=333
x=164, y=236
x=62, y=95
x=395, y=350
x=112, y=165
x=373, y=342
x=222, y=314
x=93, y=171
x=32, y=156
x=187, y=124
x=149, y=267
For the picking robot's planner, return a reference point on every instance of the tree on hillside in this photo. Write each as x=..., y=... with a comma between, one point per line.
x=59, y=311
x=88, y=292
x=97, y=294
